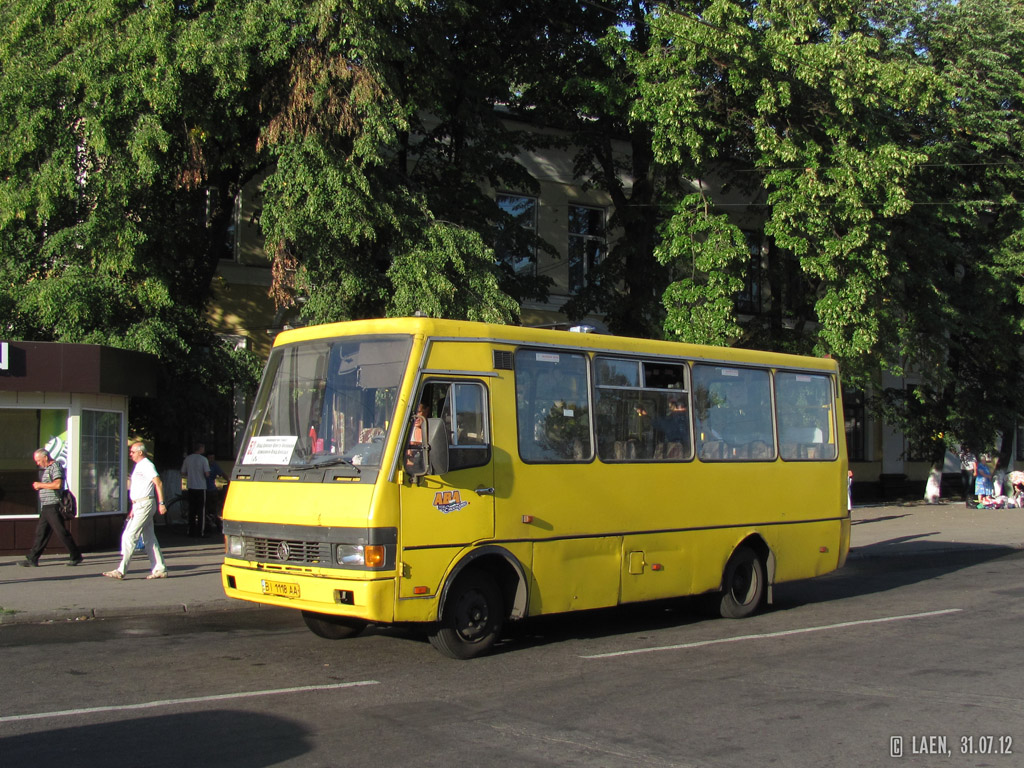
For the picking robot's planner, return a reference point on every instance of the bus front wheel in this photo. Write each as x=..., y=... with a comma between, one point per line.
x=332, y=627
x=472, y=618
x=743, y=584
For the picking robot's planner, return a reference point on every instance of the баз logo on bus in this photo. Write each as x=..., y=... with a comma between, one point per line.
x=449, y=501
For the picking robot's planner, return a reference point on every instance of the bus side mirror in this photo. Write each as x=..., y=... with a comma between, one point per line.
x=437, y=447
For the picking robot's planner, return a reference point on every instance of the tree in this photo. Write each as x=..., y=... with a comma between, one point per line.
x=859, y=137
x=113, y=177
x=388, y=121
x=887, y=164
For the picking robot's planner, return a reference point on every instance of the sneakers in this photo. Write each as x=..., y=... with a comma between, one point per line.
x=26, y=563
x=118, y=575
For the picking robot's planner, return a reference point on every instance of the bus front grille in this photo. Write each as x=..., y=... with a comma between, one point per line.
x=286, y=551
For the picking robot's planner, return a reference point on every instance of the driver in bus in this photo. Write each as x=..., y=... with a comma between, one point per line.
x=417, y=437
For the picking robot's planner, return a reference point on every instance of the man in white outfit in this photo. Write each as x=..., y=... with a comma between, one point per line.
x=144, y=482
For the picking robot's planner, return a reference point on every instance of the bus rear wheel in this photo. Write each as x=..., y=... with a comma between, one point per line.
x=743, y=584
x=332, y=627
x=472, y=619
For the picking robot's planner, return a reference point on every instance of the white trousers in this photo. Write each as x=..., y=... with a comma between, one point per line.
x=141, y=523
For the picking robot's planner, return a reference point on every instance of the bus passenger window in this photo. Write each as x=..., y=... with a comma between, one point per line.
x=552, y=406
x=733, y=410
x=806, y=416
x=642, y=410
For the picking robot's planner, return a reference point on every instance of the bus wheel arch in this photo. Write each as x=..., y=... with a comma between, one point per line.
x=478, y=596
x=507, y=572
x=746, y=579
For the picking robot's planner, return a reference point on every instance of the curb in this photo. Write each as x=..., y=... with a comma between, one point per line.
x=877, y=551
x=56, y=615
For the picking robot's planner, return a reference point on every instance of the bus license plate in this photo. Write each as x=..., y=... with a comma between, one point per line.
x=279, y=588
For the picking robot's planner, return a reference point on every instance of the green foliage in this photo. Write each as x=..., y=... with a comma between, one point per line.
x=877, y=146
x=710, y=253
x=382, y=127
x=885, y=143
x=452, y=270
x=114, y=173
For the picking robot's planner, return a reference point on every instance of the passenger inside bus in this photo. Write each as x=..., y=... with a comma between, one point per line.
x=675, y=425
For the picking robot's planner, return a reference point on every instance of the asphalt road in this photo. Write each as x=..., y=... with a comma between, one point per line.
x=920, y=654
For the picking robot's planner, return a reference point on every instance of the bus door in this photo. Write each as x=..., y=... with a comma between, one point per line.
x=446, y=510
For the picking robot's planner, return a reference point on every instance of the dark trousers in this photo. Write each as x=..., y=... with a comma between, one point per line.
x=196, y=512
x=50, y=521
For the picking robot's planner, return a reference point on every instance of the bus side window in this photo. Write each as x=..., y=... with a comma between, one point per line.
x=733, y=414
x=462, y=408
x=806, y=416
x=552, y=406
x=465, y=410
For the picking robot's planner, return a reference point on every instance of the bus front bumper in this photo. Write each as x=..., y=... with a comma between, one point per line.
x=371, y=599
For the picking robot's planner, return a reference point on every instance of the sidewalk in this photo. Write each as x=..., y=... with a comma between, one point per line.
x=56, y=592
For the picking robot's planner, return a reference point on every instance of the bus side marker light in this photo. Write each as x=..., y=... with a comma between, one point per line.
x=421, y=590
x=823, y=550
x=527, y=518
x=657, y=567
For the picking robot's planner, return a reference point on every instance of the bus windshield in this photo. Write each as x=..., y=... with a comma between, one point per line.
x=327, y=401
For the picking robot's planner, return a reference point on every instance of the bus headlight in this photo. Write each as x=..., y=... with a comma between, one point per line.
x=235, y=546
x=367, y=556
x=350, y=554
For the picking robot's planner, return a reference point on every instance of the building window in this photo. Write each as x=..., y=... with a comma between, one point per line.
x=586, y=244
x=99, y=487
x=853, y=413
x=748, y=301
x=514, y=243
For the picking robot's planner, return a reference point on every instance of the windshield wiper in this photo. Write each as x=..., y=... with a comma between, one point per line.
x=328, y=462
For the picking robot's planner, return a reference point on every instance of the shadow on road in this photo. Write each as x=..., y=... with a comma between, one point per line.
x=224, y=738
x=874, y=571
x=862, y=576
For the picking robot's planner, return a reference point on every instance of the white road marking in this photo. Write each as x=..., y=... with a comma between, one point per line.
x=784, y=633
x=176, y=702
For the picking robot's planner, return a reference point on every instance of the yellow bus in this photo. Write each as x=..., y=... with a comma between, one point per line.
x=460, y=475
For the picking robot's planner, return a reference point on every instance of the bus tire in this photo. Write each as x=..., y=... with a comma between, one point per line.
x=332, y=627
x=743, y=584
x=473, y=617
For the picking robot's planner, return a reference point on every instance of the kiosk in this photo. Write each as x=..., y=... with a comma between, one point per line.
x=72, y=400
